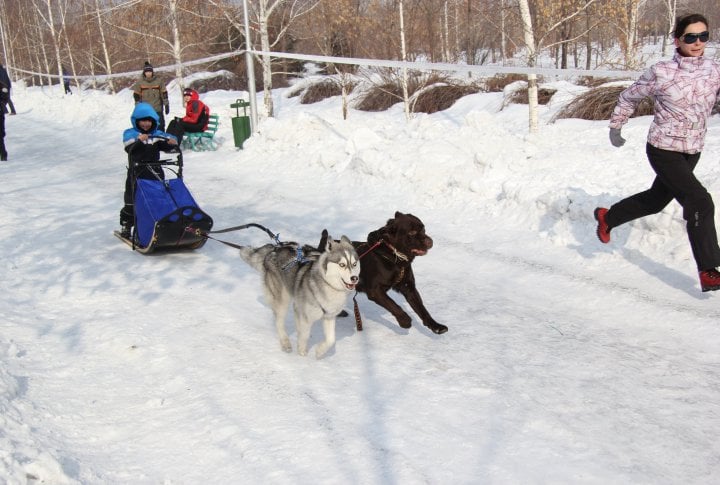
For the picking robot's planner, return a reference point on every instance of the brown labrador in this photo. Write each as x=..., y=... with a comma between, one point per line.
x=386, y=263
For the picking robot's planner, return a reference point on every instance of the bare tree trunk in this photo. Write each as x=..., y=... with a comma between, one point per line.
x=3, y=34
x=503, y=34
x=264, y=15
x=91, y=51
x=44, y=61
x=404, y=78
x=630, y=32
x=176, y=45
x=49, y=21
x=106, y=53
x=671, y=13
x=63, y=32
x=34, y=55
x=10, y=57
x=264, y=10
x=588, y=42
x=446, y=34
x=469, y=49
x=529, y=37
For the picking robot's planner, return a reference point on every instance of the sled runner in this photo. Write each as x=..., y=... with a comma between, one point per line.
x=166, y=215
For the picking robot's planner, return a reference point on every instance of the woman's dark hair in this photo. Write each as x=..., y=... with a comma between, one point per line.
x=682, y=22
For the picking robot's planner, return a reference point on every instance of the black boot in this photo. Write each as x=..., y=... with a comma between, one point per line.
x=126, y=230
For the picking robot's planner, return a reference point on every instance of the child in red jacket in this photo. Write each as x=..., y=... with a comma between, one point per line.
x=196, y=118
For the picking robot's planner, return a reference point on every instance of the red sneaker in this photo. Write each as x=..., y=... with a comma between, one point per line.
x=602, y=231
x=710, y=280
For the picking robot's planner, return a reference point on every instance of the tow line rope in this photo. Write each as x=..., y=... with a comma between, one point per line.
x=299, y=259
x=206, y=234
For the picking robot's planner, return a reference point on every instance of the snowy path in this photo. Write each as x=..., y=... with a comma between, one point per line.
x=121, y=368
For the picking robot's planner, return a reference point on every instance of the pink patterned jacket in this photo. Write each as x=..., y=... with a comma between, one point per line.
x=684, y=90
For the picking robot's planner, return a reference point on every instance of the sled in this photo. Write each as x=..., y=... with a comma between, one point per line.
x=166, y=215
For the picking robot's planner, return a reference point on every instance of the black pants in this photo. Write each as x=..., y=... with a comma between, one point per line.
x=178, y=127
x=175, y=128
x=675, y=180
x=127, y=213
x=3, y=151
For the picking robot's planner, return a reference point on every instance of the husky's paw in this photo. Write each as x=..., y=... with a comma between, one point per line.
x=321, y=350
x=302, y=353
x=286, y=345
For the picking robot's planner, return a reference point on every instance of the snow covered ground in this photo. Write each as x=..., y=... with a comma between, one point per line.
x=566, y=361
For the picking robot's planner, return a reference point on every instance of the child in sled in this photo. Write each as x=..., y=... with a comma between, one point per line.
x=143, y=143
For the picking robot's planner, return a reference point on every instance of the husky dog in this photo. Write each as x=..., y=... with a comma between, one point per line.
x=318, y=280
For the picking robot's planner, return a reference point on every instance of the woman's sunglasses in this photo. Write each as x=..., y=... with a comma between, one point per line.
x=692, y=38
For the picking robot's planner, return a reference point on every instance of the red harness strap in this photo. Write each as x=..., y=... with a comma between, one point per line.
x=356, y=309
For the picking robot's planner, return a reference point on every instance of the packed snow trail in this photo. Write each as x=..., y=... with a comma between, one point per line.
x=566, y=361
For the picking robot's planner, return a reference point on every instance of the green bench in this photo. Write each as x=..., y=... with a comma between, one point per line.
x=204, y=140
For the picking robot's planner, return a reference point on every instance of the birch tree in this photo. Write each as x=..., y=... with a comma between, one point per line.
x=404, y=77
x=529, y=37
x=44, y=10
x=560, y=14
x=288, y=11
x=626, y=15
x=671, y=13
x=104, y=45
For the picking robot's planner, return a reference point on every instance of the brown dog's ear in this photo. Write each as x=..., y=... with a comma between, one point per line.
x=390, y=227
x=398, y=214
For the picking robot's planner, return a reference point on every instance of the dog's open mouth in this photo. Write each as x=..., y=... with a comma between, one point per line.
x=419, y=252
x=349, y=286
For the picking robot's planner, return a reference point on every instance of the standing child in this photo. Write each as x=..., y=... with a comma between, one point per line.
x=150, y=89
x=684, y=90
x=143, y=143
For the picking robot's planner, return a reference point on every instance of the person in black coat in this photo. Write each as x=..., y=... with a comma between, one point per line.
x=6, y=101
x=4, y=98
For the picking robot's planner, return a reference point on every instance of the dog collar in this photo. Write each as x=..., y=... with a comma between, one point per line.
x=397, y=253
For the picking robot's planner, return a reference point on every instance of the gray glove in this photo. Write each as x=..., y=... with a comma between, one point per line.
x=616, y=138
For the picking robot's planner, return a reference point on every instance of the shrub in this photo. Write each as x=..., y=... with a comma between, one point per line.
x=520, y=96
x=296, y=90
x=497, y=83
x=598, y=104
x=440, y=97
x=591, y=81
x=318, y=91
x=379, y=97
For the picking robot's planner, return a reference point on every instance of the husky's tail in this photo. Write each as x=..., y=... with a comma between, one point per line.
x=255, y=256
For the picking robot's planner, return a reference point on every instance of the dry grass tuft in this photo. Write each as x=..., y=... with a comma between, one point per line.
x=323, y=89
x=520, y=96
x=497, y=83
x=598, y=104
x=380, y=97
x=296, y=90
x=591, y=81
x=441, y=97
